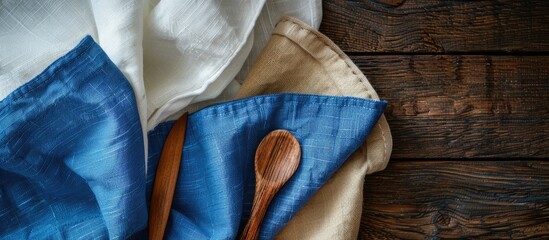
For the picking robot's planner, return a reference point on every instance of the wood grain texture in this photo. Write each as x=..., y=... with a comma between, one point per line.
x=276, y=159
x=456, y=106
x=465, y=80
x=437, y=26
x=457, y=199
x=166, y=178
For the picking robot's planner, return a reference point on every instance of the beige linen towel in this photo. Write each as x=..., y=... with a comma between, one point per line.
x=300, y=59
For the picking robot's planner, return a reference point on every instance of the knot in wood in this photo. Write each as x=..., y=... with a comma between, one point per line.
x=442, y=219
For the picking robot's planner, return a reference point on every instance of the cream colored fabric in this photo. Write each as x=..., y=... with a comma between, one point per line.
x=300, y=59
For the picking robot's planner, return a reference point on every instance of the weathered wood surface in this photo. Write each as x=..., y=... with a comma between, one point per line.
x=467, y=84
x=437, y=26
x=456, y=106
x=457, y=199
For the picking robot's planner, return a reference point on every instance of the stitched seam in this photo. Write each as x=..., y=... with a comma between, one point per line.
x=286, y=101
x=48, y=79
x=368, y=94
x=321, y=39
x=315, y=59
x=384, y=141
x=275, y=98
x=328, y=44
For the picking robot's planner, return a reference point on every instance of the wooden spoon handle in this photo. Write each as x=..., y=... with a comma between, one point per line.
x=166, y=178
x=262, y=198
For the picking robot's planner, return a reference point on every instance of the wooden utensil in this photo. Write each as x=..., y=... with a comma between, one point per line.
x=276, y=160
x=166, y=178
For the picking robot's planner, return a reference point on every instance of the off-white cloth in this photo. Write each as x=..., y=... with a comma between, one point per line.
x=173, y=52
x=300, y=59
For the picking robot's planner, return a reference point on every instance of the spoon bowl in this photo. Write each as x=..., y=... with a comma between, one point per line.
x=276, y=160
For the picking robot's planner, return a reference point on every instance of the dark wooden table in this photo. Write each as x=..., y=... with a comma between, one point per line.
x=468, y=90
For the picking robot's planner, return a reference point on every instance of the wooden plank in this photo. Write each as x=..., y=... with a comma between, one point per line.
x=437, y=26
x=457, y=199
x=446, y=106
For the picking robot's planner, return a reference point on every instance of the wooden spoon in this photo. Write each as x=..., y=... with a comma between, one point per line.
x=166, y=178
x=276, y=160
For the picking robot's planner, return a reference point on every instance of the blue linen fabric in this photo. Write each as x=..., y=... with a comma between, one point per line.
x=72, y=161
x=215, y=188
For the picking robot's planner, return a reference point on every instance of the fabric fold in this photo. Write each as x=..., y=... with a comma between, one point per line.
x=71, y=152
x=71, y=155
x=191, y=46
x=173, y=52
x=216, y=180
x=300, y=59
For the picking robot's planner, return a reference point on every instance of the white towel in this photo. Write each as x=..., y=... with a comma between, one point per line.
x=173, y=52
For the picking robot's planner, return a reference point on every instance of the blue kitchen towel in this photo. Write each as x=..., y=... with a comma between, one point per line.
x=71, y=153
x=72, y=160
